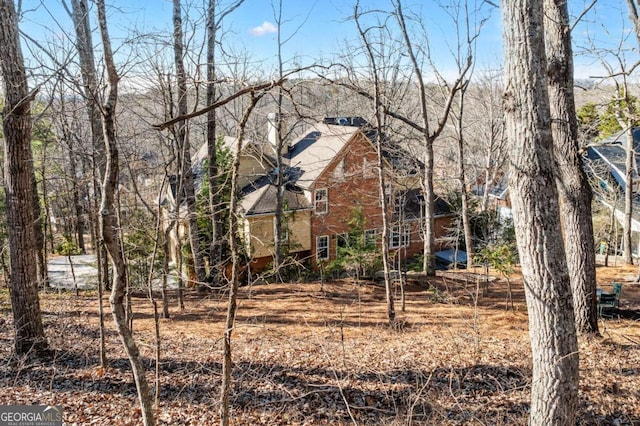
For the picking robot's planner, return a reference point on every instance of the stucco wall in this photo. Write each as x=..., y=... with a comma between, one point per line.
x=261, y=232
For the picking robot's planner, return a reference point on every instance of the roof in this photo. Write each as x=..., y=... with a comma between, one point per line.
x=317, y=148
x=309, y=156
x=414, y=205
x=260, y=197
x=612, y=151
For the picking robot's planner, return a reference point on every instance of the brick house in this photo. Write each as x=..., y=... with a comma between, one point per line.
x=331, y=168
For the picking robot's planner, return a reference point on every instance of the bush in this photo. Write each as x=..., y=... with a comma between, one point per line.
x=68, y=248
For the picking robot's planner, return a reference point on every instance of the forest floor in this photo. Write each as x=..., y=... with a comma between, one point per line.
x=322, y=354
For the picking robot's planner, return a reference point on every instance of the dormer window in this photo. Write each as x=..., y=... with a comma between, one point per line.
x=321, y=201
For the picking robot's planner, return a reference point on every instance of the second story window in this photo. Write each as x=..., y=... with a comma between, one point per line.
x=321, y=201
x=399, y=237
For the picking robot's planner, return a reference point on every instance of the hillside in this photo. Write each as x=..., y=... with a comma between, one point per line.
x=312, y=354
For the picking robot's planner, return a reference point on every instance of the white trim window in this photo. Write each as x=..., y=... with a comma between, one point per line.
x=371, y=236
x=321, y=201
x=399, y=237
x=322, y=247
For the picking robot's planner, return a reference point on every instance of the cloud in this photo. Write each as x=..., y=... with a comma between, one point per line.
x=266, y=28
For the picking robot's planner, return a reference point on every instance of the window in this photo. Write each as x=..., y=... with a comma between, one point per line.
x=342, y=241
x=388, y=195
x=322, y=247
x=398, y=204
x=370, y=236
x=399, y=237
x=321, y=201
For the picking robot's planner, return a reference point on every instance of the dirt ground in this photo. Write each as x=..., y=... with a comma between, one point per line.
x=322, y=354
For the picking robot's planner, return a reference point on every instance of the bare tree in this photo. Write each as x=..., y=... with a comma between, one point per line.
x=109, y=222
x=234, y=248
x=486, y=160
x=536, y=213
x=84, y=46
x=19, y=190
x=624, y=110
x=184, y=146
x=422, y=125
x=381, y=169
x=214, y=23
x=461, y=17
x=573, y=185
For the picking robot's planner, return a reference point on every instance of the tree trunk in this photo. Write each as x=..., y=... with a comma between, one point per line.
x=38, y=231
x=109, y=225
x=234, y=247
x=573, y=186
x=165, y=268
x=186, y=172
x=46, y=222
x=628, y=198
x=536, y=214
x=382, y=185
x=19, y=191
x=464, y=195
x=84, y=45
x=77, y=204
x=215, y=249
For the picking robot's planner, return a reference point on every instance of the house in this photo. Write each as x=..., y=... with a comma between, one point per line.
x=330, y=169
x=606, y=160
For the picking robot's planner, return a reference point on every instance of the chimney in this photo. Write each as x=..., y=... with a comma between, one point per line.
x=272, y=132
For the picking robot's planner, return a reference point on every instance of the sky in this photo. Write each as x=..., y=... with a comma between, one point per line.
x=316, y=29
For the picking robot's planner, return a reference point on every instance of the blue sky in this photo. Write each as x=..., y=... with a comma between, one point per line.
x=318, y=28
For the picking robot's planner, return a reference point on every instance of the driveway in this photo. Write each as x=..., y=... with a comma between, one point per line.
x=86, y=273
x=84, y=268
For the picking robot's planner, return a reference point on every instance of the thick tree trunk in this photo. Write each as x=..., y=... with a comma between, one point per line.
x=19, y=190
x=109, y=225
x=186, y=172
x=573, y=186
x=536, y=213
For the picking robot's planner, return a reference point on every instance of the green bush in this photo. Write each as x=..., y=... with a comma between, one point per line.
x=68, y=248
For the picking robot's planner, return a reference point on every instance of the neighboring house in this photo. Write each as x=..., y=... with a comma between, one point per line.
x=331, y=169
x=500, y=195
x=607, y=163
x=497, y=192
